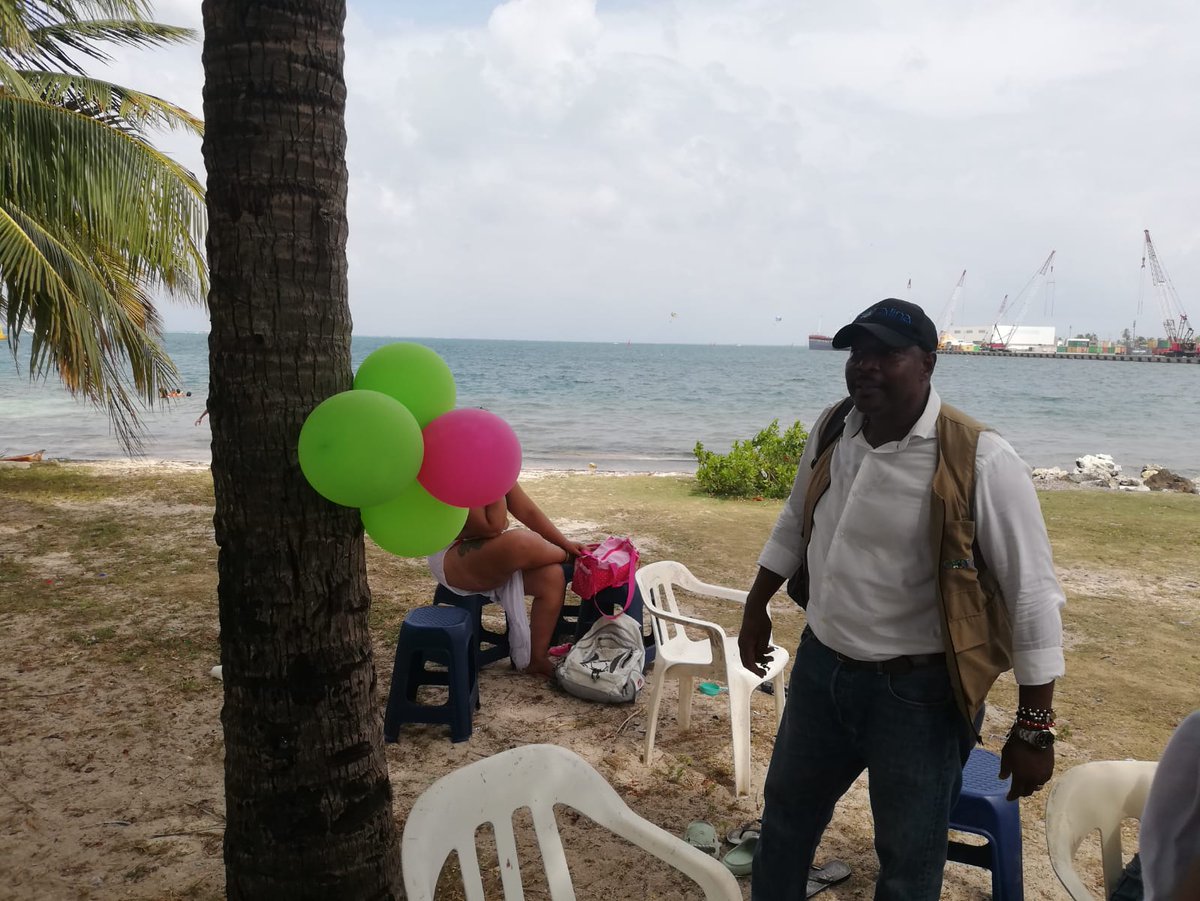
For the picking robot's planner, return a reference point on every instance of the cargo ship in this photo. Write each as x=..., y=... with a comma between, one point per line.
x=820, y=342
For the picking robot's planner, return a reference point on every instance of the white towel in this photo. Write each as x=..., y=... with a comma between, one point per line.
x=510, y=596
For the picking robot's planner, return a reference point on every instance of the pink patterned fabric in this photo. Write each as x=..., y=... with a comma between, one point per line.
x=611, y=563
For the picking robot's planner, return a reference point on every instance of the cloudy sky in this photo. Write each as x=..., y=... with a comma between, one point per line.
x=745, y=171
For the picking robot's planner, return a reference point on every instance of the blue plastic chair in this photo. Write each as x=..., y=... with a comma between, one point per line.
x=442, y=635
x=983, y=809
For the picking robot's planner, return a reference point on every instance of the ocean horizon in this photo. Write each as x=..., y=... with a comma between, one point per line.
x=630, y=407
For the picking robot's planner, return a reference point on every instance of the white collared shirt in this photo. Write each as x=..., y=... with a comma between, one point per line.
x=872, y=593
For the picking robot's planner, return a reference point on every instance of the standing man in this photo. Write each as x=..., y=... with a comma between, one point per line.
x=929, y=574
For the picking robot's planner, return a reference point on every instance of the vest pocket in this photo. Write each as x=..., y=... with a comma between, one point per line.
x=976, y=616
x=963, y=595
x=970, y=631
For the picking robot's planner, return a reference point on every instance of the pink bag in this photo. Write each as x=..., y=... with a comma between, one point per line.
x=611, y=563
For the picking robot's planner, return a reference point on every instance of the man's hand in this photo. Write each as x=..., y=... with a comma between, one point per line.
x=754, y=639
x=755, y=636
x=1030, y=767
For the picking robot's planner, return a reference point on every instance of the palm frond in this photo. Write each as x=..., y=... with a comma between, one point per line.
x=92, y=216
x=111, y=9
x=71, y=171
x=15, y=38
x=55, y=43
x=13, y=82
x=86, y=316
x=112, y=104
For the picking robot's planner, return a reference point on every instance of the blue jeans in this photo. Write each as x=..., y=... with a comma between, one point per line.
x=905, y=730
x=1129, y=886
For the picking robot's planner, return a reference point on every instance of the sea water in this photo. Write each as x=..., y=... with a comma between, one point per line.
x=643, y=407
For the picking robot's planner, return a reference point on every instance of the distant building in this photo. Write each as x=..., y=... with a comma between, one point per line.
x=1077, y=345
x=1026, y=338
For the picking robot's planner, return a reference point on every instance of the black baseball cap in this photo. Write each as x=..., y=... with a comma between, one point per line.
x=897, y=323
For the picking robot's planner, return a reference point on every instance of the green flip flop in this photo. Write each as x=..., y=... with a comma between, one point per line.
x=703, y=836
x=740, y=859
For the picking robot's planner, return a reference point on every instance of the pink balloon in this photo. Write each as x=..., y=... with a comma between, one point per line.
x=472, y=457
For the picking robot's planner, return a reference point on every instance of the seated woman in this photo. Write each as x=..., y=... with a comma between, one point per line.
x=488, y=558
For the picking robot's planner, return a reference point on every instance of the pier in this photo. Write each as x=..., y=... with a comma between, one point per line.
x=1124, y=358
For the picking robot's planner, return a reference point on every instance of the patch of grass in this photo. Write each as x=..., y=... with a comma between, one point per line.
x=190, y=685
x=166, y=653
x=1128, y=675
x=14, y=571
x=83, y=483
x=91, y=637
x=1155, y=532
x=103, y=533
x=53, y=479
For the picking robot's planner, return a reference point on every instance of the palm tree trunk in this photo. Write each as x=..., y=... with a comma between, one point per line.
x=309, y=811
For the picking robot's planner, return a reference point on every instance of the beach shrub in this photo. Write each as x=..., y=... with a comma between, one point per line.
x=763, y=466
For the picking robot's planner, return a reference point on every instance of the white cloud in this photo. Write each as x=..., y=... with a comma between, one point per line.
x=543, y=34
x=565, y=169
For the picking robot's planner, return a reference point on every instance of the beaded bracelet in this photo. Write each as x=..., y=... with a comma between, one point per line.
x=1040, y=724
x=1036, y=714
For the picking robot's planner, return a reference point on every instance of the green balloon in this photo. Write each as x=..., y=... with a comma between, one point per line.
x=414, y=375
x=360, y=448
x=415, y=524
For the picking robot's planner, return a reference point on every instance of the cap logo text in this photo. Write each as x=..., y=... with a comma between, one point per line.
x=887, y=313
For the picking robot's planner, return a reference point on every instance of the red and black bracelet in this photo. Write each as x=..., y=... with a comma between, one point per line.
x=1035, y=717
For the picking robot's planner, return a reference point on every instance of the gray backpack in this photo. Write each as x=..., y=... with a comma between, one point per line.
x=606, y=664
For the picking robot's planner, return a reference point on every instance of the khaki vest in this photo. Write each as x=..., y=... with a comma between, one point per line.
x=975, y=625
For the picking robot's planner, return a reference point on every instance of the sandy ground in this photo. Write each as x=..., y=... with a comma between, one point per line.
x=111, y=783
x=108, y=792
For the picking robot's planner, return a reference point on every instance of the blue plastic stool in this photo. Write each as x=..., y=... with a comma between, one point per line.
x=488, y=646
x=573, y=620
x=983, y=809
x=492, y=646
x=433, y=634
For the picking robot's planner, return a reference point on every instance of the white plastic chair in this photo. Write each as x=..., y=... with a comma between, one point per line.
x=716, y=656
x=1094, y=797
x=446, y=816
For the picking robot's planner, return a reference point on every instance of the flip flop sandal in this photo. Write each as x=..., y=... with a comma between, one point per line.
x=703, y=836
x=740, y=859
x=820, y=878
x=737, y=833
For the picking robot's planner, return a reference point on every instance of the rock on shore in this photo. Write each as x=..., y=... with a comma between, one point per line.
x=1101, y=471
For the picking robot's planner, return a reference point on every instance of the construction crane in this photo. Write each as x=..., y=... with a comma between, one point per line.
x=945, y=339
x=1043, y=276
x=1180, y=335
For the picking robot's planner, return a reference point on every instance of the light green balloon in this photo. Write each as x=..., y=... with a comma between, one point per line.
x=414, y=375
x=360, y=448
x=415, y=524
